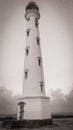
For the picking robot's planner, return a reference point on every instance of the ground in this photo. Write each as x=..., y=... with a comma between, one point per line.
x=58, y=124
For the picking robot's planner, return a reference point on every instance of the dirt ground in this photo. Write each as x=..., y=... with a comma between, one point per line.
x=58, y=124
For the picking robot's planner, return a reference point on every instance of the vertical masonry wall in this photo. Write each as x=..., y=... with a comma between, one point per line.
x=33, y=69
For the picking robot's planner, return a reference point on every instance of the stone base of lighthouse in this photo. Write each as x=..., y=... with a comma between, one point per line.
x=35, y=109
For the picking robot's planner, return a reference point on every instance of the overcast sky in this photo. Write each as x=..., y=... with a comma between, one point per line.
x=56, y=35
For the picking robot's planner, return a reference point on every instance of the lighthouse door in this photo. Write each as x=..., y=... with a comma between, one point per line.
x=21, y=107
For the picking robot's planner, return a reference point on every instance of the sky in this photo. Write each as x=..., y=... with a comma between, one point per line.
x=58, y=103
x=56, y=36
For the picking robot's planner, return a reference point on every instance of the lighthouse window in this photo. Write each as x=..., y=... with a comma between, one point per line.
x=39, y=61
x=38, y=40
x=28, y=19
x=28, y=30
x=41, y=85
x=26, y=74
x=28, y=33
x=36, y=23
x=27, y=50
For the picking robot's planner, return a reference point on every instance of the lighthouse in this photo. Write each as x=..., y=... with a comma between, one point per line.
x=34, y=104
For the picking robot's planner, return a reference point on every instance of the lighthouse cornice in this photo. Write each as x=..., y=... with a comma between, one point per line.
x=33, y=13
x=34, y=97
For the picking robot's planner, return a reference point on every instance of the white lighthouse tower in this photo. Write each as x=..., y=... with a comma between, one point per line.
x=33, y=105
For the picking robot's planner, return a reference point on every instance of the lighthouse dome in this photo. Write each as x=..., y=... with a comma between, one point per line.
x=32, y=5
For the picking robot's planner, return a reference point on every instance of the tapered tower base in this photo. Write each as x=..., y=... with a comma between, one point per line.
x=33, y=108
x=34, y=112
